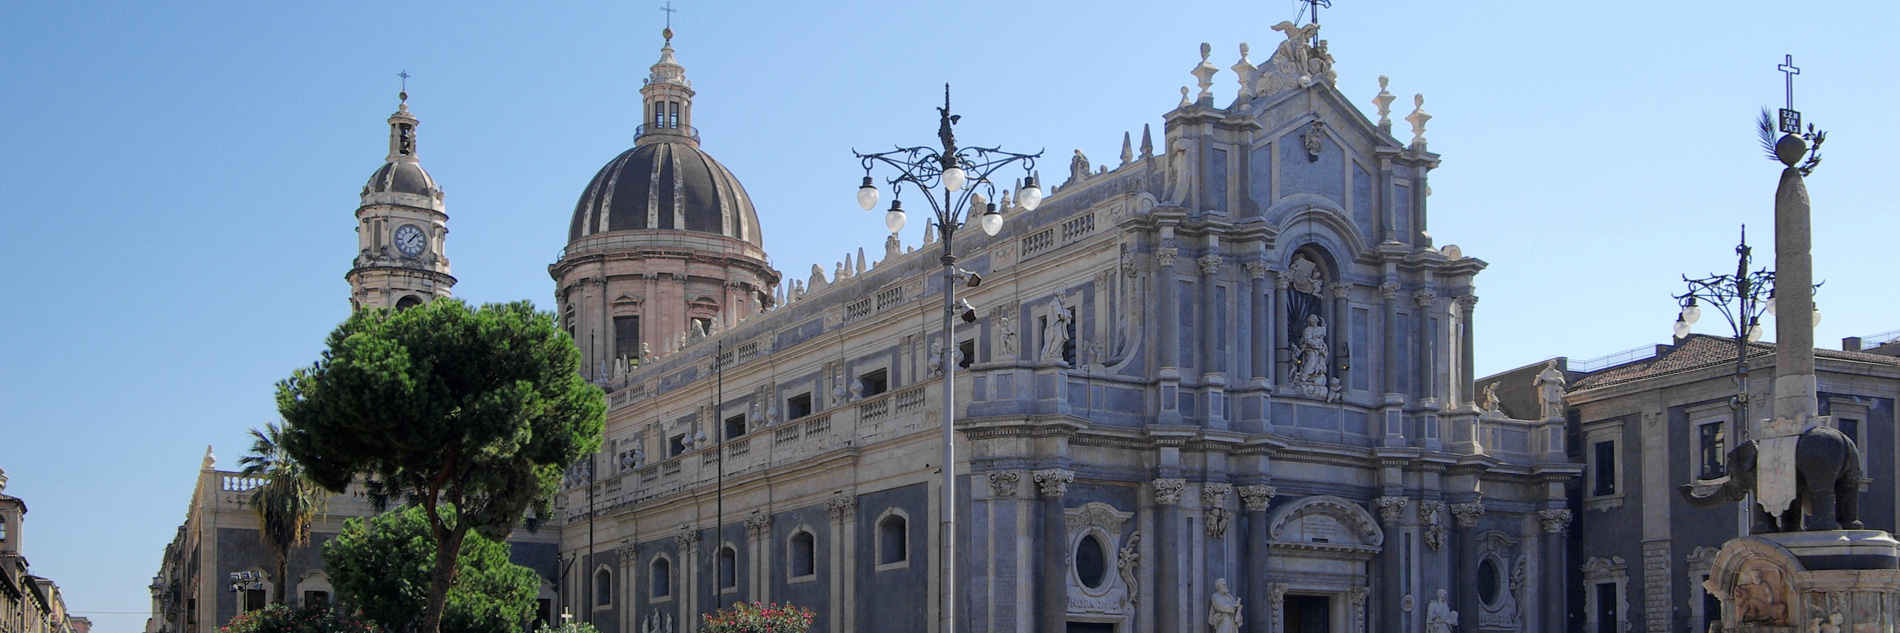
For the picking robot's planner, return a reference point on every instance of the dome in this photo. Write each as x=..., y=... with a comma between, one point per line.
x=401, y=177
x=666, y=185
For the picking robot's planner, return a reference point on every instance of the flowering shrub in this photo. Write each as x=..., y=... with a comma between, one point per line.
x=758, y=618
x=569, y=627
x=315, y=618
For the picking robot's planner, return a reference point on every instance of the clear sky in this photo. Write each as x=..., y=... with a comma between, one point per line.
x=177, y=180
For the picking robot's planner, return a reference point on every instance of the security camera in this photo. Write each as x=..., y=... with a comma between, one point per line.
x=968, y=311
x=969, y=278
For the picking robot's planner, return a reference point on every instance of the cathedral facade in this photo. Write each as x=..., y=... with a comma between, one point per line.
x=1223, y=383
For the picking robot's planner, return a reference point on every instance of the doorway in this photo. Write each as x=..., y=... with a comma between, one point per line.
x=1090, y=627
x=1308, y=614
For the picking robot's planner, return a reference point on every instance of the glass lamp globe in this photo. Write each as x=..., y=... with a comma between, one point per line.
x=1691, y=312
x=992, y=221
x=894, y=219
x=1031, y=195
x=1754, y=333
x=953, y=178
x=1771, y=303
x=1682, y=328
x=1817, y=318
x=867, y=195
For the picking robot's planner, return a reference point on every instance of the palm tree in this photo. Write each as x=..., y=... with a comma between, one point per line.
x=287, y=502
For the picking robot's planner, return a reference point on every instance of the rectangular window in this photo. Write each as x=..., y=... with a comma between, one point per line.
x=316, y=598
x=1851, y=428
x=1605, y=478
x=1714, y=449
x=673, y=114
x=1362, y=375
x=873, y=383
x=254, y=599
x=627, y=337
x=735, y=426
x=1068, y=347
x=676, y=445
x=968, y=350
x=798, y=406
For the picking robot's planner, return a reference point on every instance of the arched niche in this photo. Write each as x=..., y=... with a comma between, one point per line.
x=1325, y=520
x=1307, y=218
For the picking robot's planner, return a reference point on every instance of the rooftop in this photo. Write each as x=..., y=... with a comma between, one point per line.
x=1700, y=351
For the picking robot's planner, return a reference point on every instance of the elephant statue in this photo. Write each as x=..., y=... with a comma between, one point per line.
x=1827, y=484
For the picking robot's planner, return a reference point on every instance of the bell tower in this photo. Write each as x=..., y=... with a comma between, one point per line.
x=401, y=229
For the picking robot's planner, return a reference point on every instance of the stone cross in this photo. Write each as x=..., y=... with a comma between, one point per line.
x=669, y=14
x=1790, y=118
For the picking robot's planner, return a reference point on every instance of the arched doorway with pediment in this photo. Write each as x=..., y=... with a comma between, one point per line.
x=1318, y=567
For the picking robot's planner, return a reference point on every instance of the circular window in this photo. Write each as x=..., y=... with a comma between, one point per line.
x=1091, y=562
x=1488, y=582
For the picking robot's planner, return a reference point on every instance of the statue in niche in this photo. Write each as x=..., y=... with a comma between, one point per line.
x=1008, y=328
x=1309, y=364
x=1223, y=609
x=1439, y=618
x=1312, y=139
x=1128, y=563
x=1055, y=333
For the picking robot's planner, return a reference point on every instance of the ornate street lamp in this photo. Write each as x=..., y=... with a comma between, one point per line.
x=944, y=176
x=1741, y=298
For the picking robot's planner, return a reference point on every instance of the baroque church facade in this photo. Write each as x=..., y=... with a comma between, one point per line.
x=1222, y=384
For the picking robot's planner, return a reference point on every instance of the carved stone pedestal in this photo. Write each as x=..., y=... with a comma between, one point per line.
x=1842, y=580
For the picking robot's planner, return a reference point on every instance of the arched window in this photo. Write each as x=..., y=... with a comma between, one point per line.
x=804, y=553
x=408, y=301
x=728, y=567
x=662, y=581
x=3, y=529
x=603, y=587
x=893, y=539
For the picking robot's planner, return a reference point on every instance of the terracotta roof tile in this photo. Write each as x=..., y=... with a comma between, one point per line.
x=1699, y=351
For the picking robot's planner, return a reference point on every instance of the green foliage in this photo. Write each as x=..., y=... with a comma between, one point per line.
x=382, y=565
x=286, y=503
x=316, y=618
x=758, y=618
x=482, y=409
x=570, y=627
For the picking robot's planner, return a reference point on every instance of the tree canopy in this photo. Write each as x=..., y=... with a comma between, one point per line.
x=286, y=503
x=482, y=409
x=381, y=565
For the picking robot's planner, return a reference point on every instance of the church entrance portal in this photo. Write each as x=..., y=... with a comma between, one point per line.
x=1309, y=614
x=1090, y=627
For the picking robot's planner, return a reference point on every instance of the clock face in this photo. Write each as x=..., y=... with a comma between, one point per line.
x=409, y=240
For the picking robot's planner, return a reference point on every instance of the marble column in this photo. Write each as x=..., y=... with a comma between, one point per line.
x=1425, y=343
x=842, y=509
x=1280, y=285
x=1260, y=298
x=1393, y=417
x=1466, y=356
x=1053, y=595
x=1169, y=356
x=1466, y=591
x=625, y=555
x=1256, y=499
x=1168, y=540
x=758, y=528
x=1213, y=372
x=687, y=541
x=1554, y=521
x=1391, y=596
x=1342, y=334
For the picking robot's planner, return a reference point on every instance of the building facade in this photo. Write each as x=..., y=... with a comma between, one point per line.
x=28, y=603
x=1231, y=366
x=1647, y=427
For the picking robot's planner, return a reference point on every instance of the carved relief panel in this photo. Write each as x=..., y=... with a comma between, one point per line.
x=1102, y=569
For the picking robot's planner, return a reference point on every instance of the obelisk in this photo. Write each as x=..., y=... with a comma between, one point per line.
x=1794, y=280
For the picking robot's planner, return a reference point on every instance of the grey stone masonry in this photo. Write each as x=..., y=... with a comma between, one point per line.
x=1657, y=607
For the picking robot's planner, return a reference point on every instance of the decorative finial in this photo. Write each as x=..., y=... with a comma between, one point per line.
x=668, y=32
x=1244, y=72
x=1418, y=117
x=1384, y=101
x=1128, y=149
x=404, y=95
x=1204, y=72
x=1147, y=142
x=1184, y=98
x=1793, y=142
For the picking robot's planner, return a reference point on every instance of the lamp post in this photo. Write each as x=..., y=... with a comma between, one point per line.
x=1741, y=298
x=941, y=175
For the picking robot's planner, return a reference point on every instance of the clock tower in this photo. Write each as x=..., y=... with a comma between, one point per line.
x=401, y=228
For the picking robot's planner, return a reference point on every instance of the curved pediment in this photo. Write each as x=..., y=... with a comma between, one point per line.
x=1325, y=519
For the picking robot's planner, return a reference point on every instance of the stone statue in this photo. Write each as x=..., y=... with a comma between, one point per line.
x=646, y=353
x=1550, y=391
x=1828, y=487
x=1008, y=327
x=1312, y=354
x=1055, y=333
x=1439, y=618
x=211, y=461
x=1491, y=399
x=1078, y=167
x=1758, y=596
x=1223, y=609
x=1304, y=275
x=620, y=369
x=1128, y=563
x=935, y=362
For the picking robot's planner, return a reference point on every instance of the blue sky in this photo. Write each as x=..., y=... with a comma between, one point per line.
x=177, y=179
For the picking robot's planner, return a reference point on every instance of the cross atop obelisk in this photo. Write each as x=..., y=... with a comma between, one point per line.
x=1790, y=118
